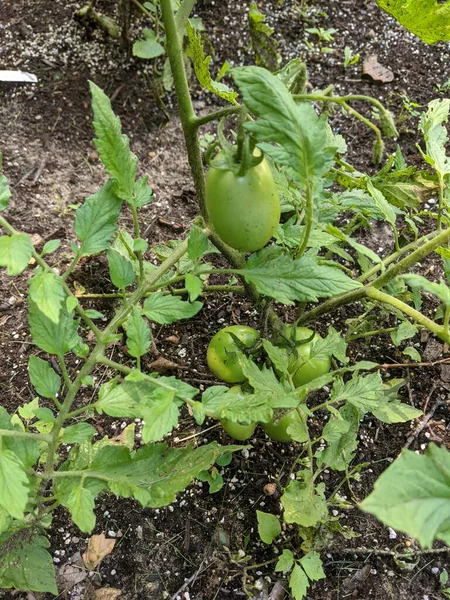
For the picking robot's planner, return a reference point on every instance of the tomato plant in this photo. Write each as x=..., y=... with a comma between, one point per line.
x=243, y=209
x=238, y=431
x=302, y=366
x=277, y=431
x=223, y=350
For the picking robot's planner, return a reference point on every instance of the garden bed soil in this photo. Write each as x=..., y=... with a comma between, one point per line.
x=52, y=166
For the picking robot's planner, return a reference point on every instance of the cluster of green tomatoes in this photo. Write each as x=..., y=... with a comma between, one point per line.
x=222, y=357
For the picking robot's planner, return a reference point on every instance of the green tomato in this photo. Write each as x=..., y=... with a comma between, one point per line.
x=278, y=432
x=222, y=352
x=237, y=430
x=303, y=368
x=244, y=211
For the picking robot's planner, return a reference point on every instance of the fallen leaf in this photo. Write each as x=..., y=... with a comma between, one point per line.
x=71, y=572
x=107, y=594
x=98, y=547
x=161, y=365
x=375, y=71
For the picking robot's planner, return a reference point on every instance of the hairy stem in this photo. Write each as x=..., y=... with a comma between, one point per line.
x=309, y=215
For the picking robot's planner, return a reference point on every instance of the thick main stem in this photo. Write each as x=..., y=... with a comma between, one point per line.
x=187, y=114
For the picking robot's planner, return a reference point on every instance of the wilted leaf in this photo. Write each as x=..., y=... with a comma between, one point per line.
x=98, y=547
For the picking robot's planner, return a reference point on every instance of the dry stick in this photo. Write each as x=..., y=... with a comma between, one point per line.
x=191, y=579
x=418, y=364
x=424, y=422
x=410, y=553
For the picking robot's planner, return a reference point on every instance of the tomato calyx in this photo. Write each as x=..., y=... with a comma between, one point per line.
x=237, y=158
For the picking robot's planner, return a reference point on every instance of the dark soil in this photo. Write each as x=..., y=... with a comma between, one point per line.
x=51, y=164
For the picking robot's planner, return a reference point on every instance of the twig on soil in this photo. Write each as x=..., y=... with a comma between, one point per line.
x=191, y=579
x=39, y=171
x=408, y=554
x=424, y=422
x=417, y=364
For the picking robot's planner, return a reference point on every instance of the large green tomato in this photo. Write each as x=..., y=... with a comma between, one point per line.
x=237, y=430
x=244, y=211
x=278, y=432
x=303, y=368
x=222, y=352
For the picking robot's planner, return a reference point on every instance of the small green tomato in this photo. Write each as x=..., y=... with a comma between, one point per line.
x=237, y=430
x=278, y=432
x=222, y=352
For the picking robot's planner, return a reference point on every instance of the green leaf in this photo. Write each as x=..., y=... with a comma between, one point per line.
x=166, y=309
x=268, y=526
x=142, y=193
x=218, y=402
x=94, y=314
x=435, y=135
x=96, y=220
x=201, y=67
x=158, y=471
x=50, y=247
x=298, y=582
x=278, y=356
x=412, y=353
x=13, y=484
x=15, y=252
x=194, y=286
x=26, y=411
x=312, y=565
x=81, y=504
x=301, y=139
x=47, y=292
x=138, y=334
x=441, y=290
x=263, y=44
x=304, y=503
x=44, y=379
x=78, y=433
x=285, y=562
x=161, y=416
x=5, y=193
x=213, y=478
x=413, y=495
x=113, y=147
x=148, y=47
x=365, y=392
x=382, y=204
x=121, y=269
x=279, y=276
x=197, y=243
x=25, y=563
x=403, y=332
x=396, y=412
x=54, y=338
x=45, y=415
x=340, y=433
x=428, y=19
x=25, y=449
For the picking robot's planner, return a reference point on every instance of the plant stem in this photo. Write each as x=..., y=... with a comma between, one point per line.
x=403, y=265
x=65, y=374
x=235, y=289
x=369, y=334
x=441, y=198
x=215, y=116
x=408, y=552
x=446, y=319
x=187, y=115
x=309, y=215
x=137, y=234
x=25, y=434
x=143, y=10
x=395, y=255
x=439, y=330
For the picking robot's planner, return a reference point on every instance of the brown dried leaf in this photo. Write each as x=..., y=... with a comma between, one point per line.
x=98, y=547
x=161, y=365
x=107, y=594
x=373, y=69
